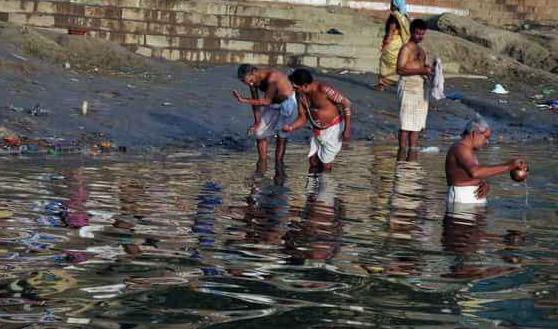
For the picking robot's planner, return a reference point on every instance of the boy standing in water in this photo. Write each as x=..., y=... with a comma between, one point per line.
x=321, y=104
x=276, y=108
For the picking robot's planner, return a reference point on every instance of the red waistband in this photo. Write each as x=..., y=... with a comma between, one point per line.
x=338, y=119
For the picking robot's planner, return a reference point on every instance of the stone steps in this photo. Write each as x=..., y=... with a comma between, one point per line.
x=216, y=31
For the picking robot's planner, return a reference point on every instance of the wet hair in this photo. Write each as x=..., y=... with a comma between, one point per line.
x=477, y=124
x=244, y=70
x=301, y=77
x=418, y=24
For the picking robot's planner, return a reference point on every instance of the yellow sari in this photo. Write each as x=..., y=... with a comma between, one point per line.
x=388, y=59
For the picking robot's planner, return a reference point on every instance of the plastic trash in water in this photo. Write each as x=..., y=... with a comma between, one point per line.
x=38, y=110
x=53, y=221
x=12, y=141
x=547, y=91
x=84, y=107
x=500, y=90
x=55, y=208
x=430, y=149
x=16, y=108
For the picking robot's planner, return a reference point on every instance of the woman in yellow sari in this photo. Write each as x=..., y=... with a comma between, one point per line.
x=397, y=34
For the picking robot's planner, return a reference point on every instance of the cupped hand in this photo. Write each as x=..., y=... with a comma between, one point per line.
x=346, y=135
x=518, y=163
x=288, y=128
x=238, y=96
x=482, y=190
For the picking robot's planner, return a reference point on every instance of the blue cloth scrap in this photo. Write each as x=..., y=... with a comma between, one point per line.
x=401, y=6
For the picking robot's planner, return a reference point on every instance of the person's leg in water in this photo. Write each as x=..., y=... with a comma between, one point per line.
x=401, y=154
x=412, y=156
x=280, y=148
x=315, y=165
x=403, y=139
x=279, y=178
x=262, y=155
x=413, y=139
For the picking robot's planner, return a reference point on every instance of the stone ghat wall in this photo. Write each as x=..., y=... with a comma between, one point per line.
x=493, y=12
x=325, y=34
x=212, y=31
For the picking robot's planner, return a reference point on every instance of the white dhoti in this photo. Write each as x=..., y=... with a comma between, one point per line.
x=463, y=195
x=326, y=143
x=463, y=206
x=275, y=116
x=413, y=102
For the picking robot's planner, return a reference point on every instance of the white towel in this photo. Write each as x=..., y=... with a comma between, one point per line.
x=438, y=80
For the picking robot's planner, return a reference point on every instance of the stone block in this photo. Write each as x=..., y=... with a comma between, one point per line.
x=16, y=6
x=37, y=20
x=295, y=48
x=144, y=51
x=133, y=27
x=68, y=8
x=310, y=61
x=111, y=12
x=159, y=41
x=133, y=39
x=335, y=62
x=45, y=7
x=171, y=54
x=191, y=43
x=132, y=14
x=237, y=45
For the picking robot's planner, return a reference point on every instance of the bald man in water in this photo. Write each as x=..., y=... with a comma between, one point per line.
x=465, y=176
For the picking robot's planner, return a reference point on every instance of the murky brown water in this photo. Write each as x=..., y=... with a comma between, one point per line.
x=188, y=240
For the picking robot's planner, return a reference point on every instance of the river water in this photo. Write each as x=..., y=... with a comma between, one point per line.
x=191, y=240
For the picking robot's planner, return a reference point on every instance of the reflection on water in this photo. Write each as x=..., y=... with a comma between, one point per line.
x=193, y=240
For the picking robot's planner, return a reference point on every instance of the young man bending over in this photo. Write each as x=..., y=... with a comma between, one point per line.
x=329, y=113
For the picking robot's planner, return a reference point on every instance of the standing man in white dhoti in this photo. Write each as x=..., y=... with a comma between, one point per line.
x=328, y=111
x=413, y=92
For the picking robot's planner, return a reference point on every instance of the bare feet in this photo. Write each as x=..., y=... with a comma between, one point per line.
x=380, y=87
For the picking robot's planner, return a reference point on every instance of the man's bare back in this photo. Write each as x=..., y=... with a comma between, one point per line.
x=277, y=84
